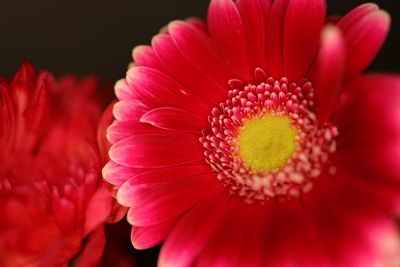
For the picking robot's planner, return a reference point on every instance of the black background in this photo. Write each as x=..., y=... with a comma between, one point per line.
x=93, y=36
x=96, y=37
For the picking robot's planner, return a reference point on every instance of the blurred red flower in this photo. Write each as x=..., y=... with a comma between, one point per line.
x=255, y=140
x=53, y=203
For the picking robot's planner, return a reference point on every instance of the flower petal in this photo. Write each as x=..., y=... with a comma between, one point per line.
x=328, y=72
x=116, y=174
x=130, y=193
x=197, y=47
x=143, y=55
x=98, y=209
x=93, y=250
x=175, y=120
x=303, y=25
x=365, y=37
x=156, y=151
x=351, y=224
x=149, y=236
x=255, y=16
x=226, y=29
x=123, y=91
x=274, y=43
x=157, y=89
x=347, y=22
x=157, y=202
x=238, y=226
x=183, y=71
x=369, y=126
x=122, y=129
x=128, y=110
x=198, y=23
x=192, y=233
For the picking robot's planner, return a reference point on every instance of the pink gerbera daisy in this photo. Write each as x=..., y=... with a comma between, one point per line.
x=255, y=140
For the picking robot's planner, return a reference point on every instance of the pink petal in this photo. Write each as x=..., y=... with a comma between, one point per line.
x=275, y=38
x=303, y=25
x=255, y=16
x=157, y=89
x=123, y=91
x=149, y=236
x=143, y=55
x=184, y=71
x=198, y=23
x=156, y=151
x=128, y=110
x=328, y=72
x=227, y=31
x=175, y=120
x=122, y=129
x=154, y=203
x=197, y=47
x=365, y=37
x=355, y=15
x=129, y=194
x=116, y=174
x=193, y=232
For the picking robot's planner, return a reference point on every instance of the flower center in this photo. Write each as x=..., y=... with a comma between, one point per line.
x=266, y=143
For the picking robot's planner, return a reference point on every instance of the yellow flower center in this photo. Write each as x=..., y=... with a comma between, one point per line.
x=266, y=143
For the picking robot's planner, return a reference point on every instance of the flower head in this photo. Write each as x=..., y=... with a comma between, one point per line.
x=53, y=203
x=255, y=140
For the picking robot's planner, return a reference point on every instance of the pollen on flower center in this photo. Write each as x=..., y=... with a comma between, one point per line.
x=266, y=143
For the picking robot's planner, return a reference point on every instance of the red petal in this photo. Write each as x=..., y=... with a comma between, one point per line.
x=103, y=143
x=197, y=47
x=365, y=37
x=303, y=25
x=175, y=120
x=123, y=91
x=130, y=110
x=157, y=89
x=123, y=129
x=347, y=22
x=369, y=126
x=236, y=241
x=226, y=29
x=198, y=23
x=98, y=209
x=193, y=232
x=185, y=72
x=156, y=151
x=255, y=16
x=116, y=174
x=149, y=236
x=93, y=251
x=157, y=177
x=144, y=55
x=328, y=72
x=156, y=202
x=275, y=38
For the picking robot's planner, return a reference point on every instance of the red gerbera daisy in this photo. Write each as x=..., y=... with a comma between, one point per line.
x=255, y=140
x=53, y=203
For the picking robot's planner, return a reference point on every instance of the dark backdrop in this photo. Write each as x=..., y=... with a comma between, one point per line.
x=94, y=36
